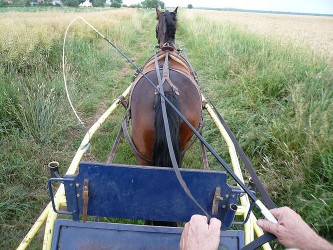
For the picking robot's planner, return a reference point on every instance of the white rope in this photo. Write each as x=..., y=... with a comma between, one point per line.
x=64, y=61
x=64, y=70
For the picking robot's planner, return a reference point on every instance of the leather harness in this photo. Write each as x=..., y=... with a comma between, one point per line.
x=176, y=63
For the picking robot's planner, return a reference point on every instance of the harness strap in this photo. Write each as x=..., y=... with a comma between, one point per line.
x=194, y=138
x=176, y=57
x=130, y=141
x=258, y=242
x=179, y=60
x=123, y=101
x=124, y=129
x=204, y=156
x=169, y=142
x=115, y=145
x=194, y=82
x=166, y=75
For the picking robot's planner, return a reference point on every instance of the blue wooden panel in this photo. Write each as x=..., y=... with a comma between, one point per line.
x=92, y=235
x=149, y=193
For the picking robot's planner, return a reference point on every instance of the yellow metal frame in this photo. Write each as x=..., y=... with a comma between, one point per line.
x=250, y=228
x=48, y=214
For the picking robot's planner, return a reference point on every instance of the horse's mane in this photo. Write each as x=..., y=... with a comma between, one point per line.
x=171, y=22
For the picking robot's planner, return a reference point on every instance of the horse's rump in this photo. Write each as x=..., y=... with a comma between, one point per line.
x=143, y=102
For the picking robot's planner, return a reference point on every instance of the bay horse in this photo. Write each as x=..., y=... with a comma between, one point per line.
x=180, y=87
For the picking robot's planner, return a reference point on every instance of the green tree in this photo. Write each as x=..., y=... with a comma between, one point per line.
x=190, y=6
x=138, y=5
x=98, y=3
x=116, y=3
x=19, y=3
x=3, y=3
x=152, y=4
x=71, y=3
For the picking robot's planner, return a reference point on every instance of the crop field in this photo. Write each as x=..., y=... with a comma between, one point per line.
x=270, y=76
x=313, y=32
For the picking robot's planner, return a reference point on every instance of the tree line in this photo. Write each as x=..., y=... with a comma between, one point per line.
x=95, y=3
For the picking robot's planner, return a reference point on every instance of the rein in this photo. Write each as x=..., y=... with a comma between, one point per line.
x=167, y=128
x=258, y=184
x=259, y=204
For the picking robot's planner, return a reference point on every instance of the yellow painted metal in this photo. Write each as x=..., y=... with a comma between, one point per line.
x=49, y=225
x=259, y=231
x=48, y=214
x=74, y=165
x=250, y=226
x=34, y=229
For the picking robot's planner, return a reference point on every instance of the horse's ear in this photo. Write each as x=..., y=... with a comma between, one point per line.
x=158, y=12
x=175, y=11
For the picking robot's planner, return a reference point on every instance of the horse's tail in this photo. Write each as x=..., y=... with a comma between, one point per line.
x=161, y=155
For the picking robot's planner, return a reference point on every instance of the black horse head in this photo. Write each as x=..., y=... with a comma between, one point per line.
x=166, y=27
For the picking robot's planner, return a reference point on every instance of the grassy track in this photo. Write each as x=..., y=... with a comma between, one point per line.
x=277, y=99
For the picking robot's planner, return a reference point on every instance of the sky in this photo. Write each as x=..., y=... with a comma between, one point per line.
x=302, y=6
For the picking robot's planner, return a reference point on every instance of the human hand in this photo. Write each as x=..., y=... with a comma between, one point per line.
x=198, y=234
x=292, y=232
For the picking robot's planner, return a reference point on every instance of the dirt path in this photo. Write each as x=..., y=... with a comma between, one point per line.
x=127, y=71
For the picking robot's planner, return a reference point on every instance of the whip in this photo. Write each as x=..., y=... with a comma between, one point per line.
x=267, y=214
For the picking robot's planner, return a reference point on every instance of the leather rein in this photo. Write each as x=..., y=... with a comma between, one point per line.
x=167, y=129
x=259, y=241
x=259, y=204
x=160, y=90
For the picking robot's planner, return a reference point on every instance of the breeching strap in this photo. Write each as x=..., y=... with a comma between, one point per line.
x=169, y=142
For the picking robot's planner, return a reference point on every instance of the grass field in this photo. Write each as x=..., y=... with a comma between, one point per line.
x=274, y=92
x=312, y=32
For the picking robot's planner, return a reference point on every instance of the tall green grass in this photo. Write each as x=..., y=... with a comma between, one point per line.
x=37, y=124
x=278, y=101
